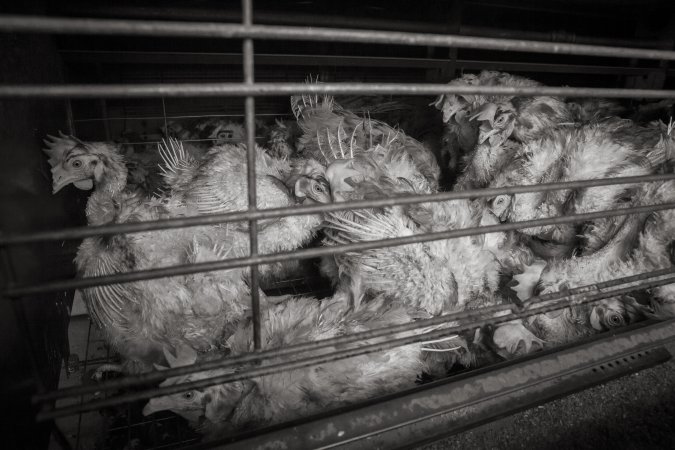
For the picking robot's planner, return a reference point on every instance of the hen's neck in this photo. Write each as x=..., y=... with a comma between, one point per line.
x=113, y=180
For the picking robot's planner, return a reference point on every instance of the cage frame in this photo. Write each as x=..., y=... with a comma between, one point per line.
x=646, y=337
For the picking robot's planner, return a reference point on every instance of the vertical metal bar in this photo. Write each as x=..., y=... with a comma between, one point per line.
x=69, y=117
x=247, y=16
x=166, y=124
x=449, y=70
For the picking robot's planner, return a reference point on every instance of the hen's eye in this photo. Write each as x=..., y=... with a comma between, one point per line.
x=500, y=200
x=188, y=395
x=615, y=320
x=77, y=164
x=317, y=188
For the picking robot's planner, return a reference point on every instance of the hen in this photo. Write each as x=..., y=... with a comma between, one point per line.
x=611, y=148
x=653, y=237
x=139, y=318
x=291, y=394
x=438, y=276
x=483, y=123
x=330, y=133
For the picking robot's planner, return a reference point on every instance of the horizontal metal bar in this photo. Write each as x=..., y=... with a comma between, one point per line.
x=118, y=57
x=463, y=401
x=211, y=266
x=298, y=350
x=272, y=213
x=49, y=413
x=283, y=89
x=59, y=25
x=337, y=21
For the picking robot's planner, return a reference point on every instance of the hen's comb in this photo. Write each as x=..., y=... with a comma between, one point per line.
x=57, y=146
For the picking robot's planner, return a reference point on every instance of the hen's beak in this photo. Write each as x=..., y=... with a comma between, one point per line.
x=150, y=409
x=300, y=190
x=156, y=405
x=61, y=179
x=596, y=319
x=485, y=135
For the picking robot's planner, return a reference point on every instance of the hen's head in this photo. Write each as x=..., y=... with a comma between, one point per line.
x=576, y=321
x=222, y=132
x=201, y=405
x=496, y=123
x=572, y=323
x=456, y=107
x=83, y=164
x=375, y=173
x=309, y=183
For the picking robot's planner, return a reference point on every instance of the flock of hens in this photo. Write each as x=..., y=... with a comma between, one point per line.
x=333, y=154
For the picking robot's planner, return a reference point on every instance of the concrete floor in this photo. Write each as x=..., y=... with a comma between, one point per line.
x=633, y=412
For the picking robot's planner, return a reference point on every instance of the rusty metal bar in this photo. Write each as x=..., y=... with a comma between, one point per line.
x=297, y=350
x=585, y=298
x=461, y=402
x=284, y=89
x=248, y=65
x=214, y=219
x=103, y=27
x=211, y=266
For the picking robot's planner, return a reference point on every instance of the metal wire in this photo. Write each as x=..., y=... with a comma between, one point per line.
x=272, y=213
x=283, y=89
x=339, y=354
x=211, y=266
x=297, y=350
x=193, y=116
x=202, y=58
x=247, y=50
x=58, y=25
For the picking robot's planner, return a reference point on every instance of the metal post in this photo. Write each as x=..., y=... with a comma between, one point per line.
x=69, y=117
x=247, y=14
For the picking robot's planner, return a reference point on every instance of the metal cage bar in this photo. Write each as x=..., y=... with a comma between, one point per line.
x=271, y=89
x=317, y=252
x=57, y=25
x=247, y=50
x=585, y=298
x=449, y=406
x=212, y=219
x=299, y=349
